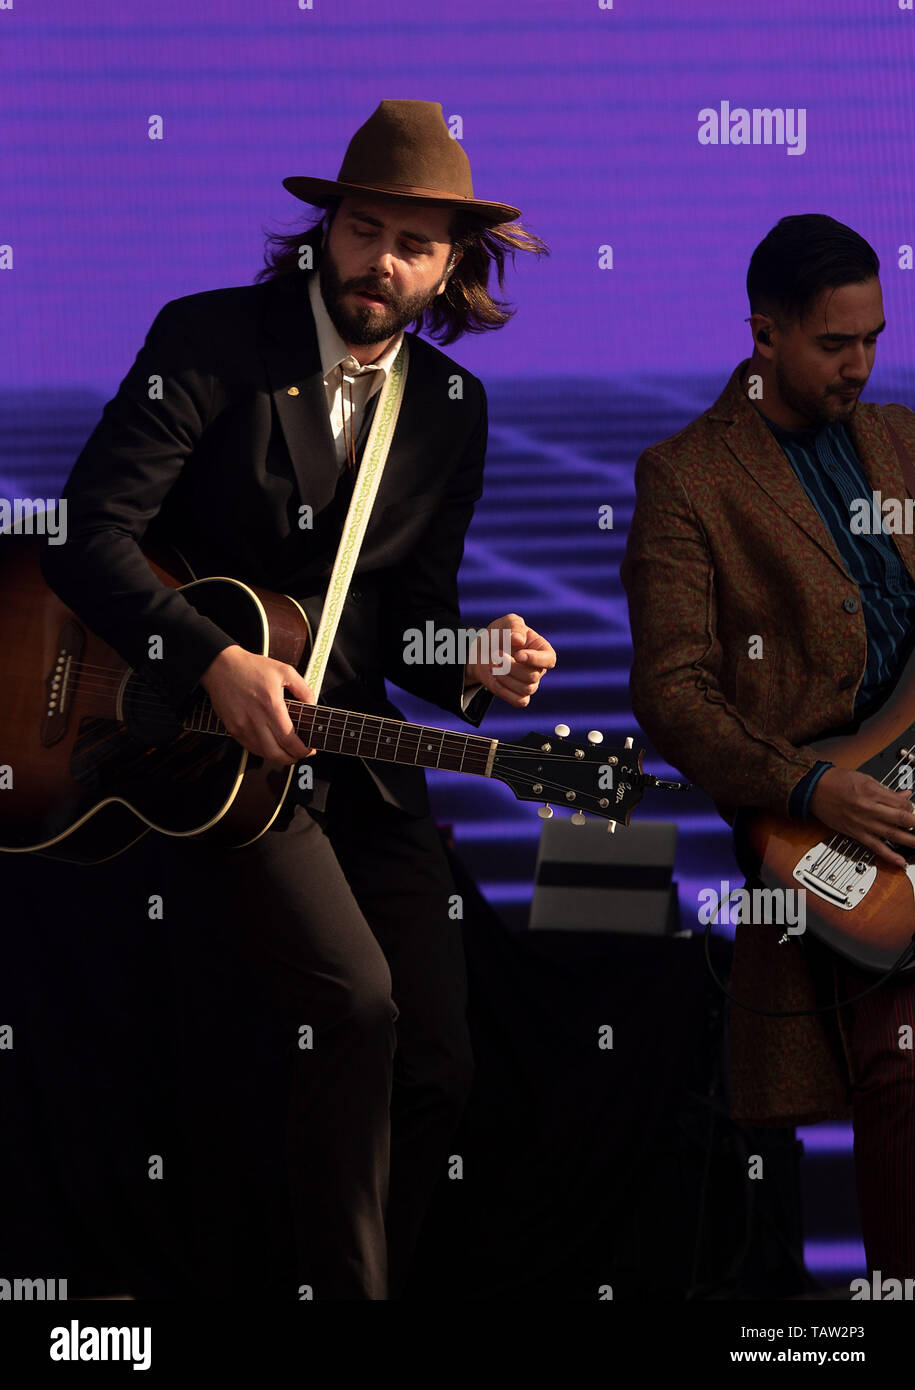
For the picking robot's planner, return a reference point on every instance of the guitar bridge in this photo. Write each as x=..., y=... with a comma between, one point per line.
x=61, y=682
x=837, y=878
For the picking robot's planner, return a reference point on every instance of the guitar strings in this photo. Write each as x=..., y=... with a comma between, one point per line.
x=342, y=717
x=98, y=679
x=111, y=680
x=841, y=848
x=477, y=744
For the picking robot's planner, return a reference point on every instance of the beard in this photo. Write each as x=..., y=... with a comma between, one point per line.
x=820, y=409
x=363, y=324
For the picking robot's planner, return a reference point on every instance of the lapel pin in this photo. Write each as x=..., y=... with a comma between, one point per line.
x=293, y=391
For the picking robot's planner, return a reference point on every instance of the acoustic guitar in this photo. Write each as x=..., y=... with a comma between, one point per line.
x=92, y=757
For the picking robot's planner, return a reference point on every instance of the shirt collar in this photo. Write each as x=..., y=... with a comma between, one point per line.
x=806, y=436
x=331, y=346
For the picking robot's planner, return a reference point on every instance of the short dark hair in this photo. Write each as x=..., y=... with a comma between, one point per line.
x=465, y=305
x=801, y=257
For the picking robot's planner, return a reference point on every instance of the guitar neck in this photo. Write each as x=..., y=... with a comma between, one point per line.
x=372, y=736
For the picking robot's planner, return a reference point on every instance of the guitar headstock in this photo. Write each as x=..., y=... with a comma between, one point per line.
x=581, y=775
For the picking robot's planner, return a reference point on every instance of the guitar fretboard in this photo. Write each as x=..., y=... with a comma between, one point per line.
x=372, y=736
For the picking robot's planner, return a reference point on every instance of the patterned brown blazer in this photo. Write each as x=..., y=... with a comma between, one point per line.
x=726, y=546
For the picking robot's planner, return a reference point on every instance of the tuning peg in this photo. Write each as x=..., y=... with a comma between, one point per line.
x=578, y=818
x=628, y=743
x=544, y=812
x=611, y=827
x=595, y=737
x=562, y=731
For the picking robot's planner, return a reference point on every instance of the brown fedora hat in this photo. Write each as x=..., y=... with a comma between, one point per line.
x=404, y=150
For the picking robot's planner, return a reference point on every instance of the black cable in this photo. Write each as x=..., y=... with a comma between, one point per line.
x=906, y=957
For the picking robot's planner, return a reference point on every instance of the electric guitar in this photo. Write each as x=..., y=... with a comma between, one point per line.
x=863, y=908
x=92, y=758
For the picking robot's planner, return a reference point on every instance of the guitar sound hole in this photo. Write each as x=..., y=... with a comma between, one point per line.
x=150, y=720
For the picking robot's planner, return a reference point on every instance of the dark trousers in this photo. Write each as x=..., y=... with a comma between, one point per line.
x=877, y=1033
x=345, y=922
x=872, y=1033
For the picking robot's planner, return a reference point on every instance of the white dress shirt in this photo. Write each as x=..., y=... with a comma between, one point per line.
x=334, y=353
x=368, y=379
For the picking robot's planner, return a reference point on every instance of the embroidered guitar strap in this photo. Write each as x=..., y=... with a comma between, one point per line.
x=374, y=457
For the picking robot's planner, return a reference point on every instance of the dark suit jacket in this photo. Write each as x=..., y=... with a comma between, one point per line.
x=221, y=467
x=725, y=545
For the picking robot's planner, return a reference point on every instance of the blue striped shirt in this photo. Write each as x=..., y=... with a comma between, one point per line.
x=831, y=474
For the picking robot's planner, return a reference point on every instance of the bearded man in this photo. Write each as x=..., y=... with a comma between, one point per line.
x=237, y=438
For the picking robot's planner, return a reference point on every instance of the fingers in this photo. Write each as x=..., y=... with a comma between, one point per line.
x=883, y=796
x=517, y=684
x=890, y=813
x=511, y=691
x=284, y=730
x=881, y=851
x=263, y=726
x=295, y=684
x=260, y=743
x=893, y=827
x=536, y=652
x=531, y=656
x=292, y=746
x=283, y=733
x=528, y=646
x=863, y=809
x=525, y=683
x=272, y=742
x=901, y=837
x=877, y=828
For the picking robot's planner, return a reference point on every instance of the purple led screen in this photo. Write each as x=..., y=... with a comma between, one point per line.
x=587, y=118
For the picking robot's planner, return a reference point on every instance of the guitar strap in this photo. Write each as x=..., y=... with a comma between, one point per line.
x=905, y=462
x=374, y=457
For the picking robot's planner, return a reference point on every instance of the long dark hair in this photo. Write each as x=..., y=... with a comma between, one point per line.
x=464, y=306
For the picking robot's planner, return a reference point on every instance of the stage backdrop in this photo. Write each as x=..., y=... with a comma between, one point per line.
x=651, y=144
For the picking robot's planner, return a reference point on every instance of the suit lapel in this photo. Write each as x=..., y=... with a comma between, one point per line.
x=289, y=347
x=881, y=466
x=761, y=456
